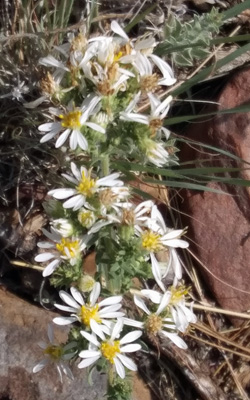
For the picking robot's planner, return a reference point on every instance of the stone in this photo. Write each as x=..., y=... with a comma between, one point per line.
x=219, y=224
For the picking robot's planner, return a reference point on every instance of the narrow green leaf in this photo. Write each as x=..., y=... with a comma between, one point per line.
x=216, y=149
x=139, y=18
x=184, y=185
x=236, y=10
x=184, y=118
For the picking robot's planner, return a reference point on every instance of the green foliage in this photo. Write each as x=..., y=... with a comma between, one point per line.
x=66, y=274
x=119, y=389
x=190, y=41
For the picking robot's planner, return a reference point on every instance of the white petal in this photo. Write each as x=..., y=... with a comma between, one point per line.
x=64, y=320
x=65, y=308
x=127, y=362
x=77, y=295
x=44, y=257
x=175, y=339
x=82, y=141
x=140, y=303
x=95, y=127
x=130, y=348
x=73, y=140
x=118, y=30
x=85, y=363
x=132, y=322
x=119, y=368
x=91, y=338
x=153, y=295
x=117, y=329
x=69, y=300
x=156, y=271
x=51, y=268
x=131, y=337
x=38, y=367
x=50, y=333
x=89, y=353
x=62, y=193
x=62, y=138
x=164, y=302
x=74, y=202
x=49, y=126
x=96, y=328
x=110, y=300
x=95, y=294
x=75, y=171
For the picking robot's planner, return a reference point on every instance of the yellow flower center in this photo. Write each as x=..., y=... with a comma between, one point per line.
x=151, y=241
x=71, y=120
x=86, y=186
x=54, y=352
x=86, y=218
x=88, y=313
x=177, y=293
x=149, y=83
x=153, y=324
x=110, y=349
x=68, y=248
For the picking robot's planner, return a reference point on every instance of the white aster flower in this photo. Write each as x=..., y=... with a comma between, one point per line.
x=181, y=314
x=112, y=348
x=85, y=189
x=72, y=121
x=61, y=250
x=95, y=316
x=127, y=215
x=160, y=236
x=155, y=119
x=57, y=355
x=155, y=323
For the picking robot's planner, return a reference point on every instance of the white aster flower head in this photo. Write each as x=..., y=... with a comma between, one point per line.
x=154, y=120
x=63, y=227
x=112, y=348
x=181, y=314
x=128, y=216
x=93, y=315
x=73, y=120
x=158, y=322
x=86, y=217
x=86, y=188
x=56, y=355
x=158, y=237
x=60, y=249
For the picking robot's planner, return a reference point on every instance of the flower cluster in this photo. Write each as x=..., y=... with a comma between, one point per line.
x=111, y=76
x=97, y=86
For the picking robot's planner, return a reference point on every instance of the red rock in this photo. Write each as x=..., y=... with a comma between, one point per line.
x=219, y=224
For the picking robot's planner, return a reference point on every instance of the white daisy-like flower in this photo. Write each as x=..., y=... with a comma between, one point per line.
x=72, y=121
x=128, y=215
x=161, y=236
x=61, y=249
x=95, y=316
x=155, y=324
x=149, y=81
x=112, y=348
x=156, y=152
x=57, y=355
x=181, y=314
x=154, y=121
x=85, y=189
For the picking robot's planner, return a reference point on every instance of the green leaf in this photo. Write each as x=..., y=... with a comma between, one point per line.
x=185, y=185
x=206, y=72
x=236, y=10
